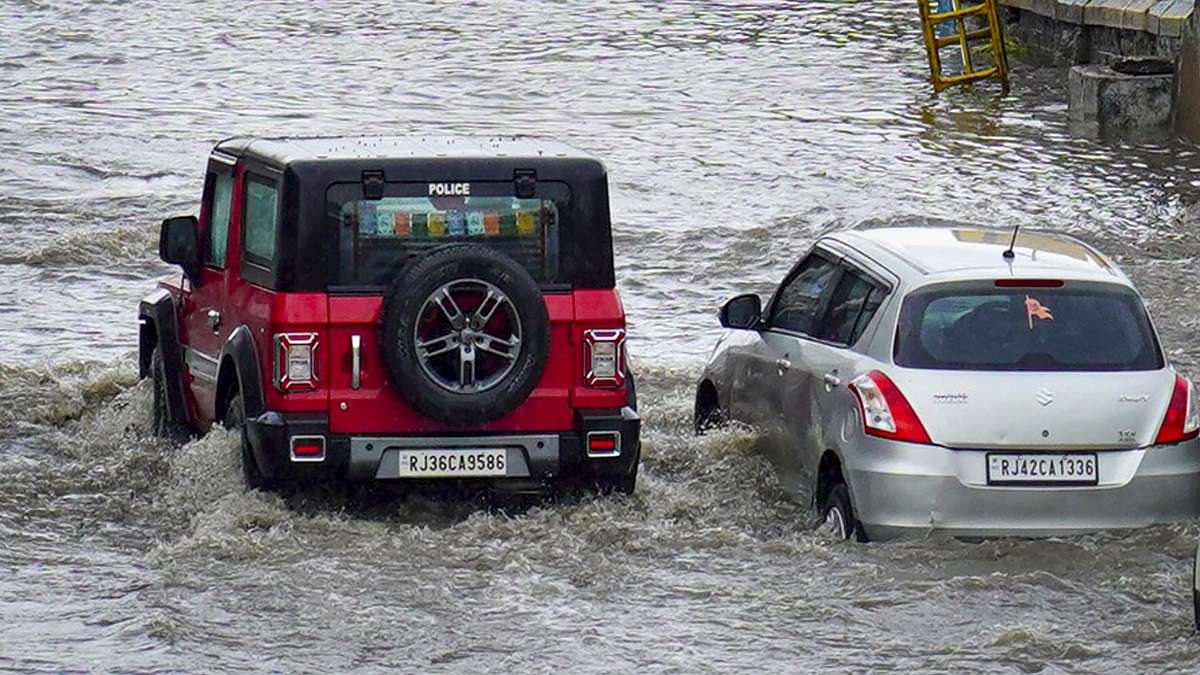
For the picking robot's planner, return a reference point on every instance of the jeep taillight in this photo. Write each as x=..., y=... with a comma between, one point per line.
x=296, y=361
x=604, y=358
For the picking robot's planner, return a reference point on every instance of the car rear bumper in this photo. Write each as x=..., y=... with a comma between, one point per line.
x=905, y=489
x=553, y=456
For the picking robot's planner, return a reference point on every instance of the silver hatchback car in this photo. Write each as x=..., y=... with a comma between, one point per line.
x=965, y=380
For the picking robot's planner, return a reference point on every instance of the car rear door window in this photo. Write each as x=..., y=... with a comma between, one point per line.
x=874, y=300
x=851, y=307
x=982, y=326
x=218, y=223
x=262, y=220
x=800, y=298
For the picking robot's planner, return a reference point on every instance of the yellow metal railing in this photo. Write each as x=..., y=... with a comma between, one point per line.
x=961, y=12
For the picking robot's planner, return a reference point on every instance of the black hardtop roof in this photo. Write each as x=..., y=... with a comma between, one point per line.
x=283, y=151
x=306, y=170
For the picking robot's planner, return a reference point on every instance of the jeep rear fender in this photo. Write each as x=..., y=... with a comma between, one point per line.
x=239, y=371
x=159, y=328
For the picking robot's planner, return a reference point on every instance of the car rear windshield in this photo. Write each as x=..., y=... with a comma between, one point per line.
x=378, y=236
x=1068, y=327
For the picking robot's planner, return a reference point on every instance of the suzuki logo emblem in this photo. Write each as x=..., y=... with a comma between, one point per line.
x=1045, y=397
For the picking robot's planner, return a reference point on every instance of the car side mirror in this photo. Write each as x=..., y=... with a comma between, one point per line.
x=742, y=313
x=179, y=244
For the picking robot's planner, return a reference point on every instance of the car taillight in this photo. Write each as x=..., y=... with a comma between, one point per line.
x=296, y=361
x=604, y=358
x=885, y=411
x=1182, y=421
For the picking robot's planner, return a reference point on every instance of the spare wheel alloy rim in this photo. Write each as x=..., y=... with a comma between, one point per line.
x=467, y=336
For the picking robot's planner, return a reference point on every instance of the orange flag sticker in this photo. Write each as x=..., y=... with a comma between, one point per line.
x=1037, y=309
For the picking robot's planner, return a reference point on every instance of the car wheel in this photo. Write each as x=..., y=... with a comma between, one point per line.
x=466, y=335
x=161, y=423
x=837, y=518
x=235, y=418
x=708, y=413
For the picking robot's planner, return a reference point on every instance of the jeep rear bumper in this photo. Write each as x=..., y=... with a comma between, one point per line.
x=551, y=456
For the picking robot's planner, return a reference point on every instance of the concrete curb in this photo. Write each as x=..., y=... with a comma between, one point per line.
x=1167, y=18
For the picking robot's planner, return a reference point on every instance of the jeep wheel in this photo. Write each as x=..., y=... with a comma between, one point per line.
x=235, y=418
x=465, y=334
x=161, y=424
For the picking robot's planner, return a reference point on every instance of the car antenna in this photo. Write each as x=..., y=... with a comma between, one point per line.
x=1008, y=253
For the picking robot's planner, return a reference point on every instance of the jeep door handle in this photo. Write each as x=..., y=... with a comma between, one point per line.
x=831, y=381
x=783, y=365
x=214, y=319
x=355, y=361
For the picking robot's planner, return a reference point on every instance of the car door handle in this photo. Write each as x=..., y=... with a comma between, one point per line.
x=782, y=365
x=355, y=361
x=214, y=319
x=831, y=381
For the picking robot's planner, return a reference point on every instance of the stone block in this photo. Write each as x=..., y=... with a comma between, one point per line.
x=1070, y=11
x=1136, y=14
x=1104, y=13
x=1115, y=101
x=1169, y=17
x=1155, y=15
x=1044, y=7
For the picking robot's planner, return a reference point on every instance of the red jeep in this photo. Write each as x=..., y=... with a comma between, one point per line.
x=398, y=308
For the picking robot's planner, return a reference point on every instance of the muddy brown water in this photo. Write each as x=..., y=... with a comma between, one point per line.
x=736, y=133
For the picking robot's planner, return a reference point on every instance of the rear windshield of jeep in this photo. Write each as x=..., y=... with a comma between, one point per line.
x=377, y=236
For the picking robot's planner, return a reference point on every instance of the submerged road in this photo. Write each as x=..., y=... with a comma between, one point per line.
x=735, y=133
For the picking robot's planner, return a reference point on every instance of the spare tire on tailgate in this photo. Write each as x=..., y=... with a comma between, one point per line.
x=465, y=334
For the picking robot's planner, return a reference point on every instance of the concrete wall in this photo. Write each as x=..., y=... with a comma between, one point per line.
x=1096, y=32
x=1187, y=101
x=1053, y=41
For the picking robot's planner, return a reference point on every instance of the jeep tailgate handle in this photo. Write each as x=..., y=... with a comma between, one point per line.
x=355, y=361
x=525, y=183
x=372, y=184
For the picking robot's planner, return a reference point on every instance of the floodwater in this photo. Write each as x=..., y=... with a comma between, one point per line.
x=736, y=133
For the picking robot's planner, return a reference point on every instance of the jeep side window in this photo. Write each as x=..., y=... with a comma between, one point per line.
x=218, y=220
x=800, y=298
x=261, y=221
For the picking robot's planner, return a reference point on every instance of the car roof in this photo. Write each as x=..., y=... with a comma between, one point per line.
x=285, y=150
x=918, y=254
